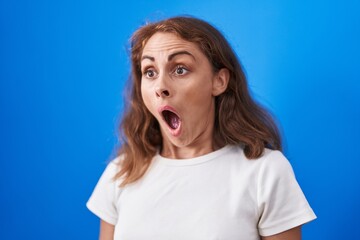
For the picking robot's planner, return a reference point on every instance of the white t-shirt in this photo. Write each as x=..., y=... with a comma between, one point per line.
x=220, y=195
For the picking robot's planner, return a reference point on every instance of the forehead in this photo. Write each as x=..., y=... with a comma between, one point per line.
x=163, y=43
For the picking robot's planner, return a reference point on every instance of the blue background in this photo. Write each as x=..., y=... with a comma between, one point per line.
x=63, y=65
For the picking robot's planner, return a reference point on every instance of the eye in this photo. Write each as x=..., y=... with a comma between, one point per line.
x=180, y=70
x=149, y=73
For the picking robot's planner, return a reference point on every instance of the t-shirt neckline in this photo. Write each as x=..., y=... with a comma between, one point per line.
x=191, y=161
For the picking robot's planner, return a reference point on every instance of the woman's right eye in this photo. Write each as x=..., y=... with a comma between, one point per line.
x=149, y=73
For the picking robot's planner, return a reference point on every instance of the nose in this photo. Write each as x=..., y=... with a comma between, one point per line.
x=162, y=90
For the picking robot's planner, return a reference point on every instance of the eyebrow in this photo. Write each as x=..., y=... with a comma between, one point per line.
x=147, y=57
x=170, y=57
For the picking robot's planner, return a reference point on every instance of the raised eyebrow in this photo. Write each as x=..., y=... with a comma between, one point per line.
x=148, y=57
x=171, y=56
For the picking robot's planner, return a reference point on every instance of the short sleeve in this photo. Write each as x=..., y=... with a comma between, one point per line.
x=281, y=202
x=103, y=199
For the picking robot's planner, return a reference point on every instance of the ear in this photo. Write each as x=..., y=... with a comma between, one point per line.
x=220, y=82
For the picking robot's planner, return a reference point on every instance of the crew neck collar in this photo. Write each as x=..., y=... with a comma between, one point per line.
x=191, y=161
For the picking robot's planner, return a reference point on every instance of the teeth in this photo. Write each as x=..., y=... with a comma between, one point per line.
x=171, y=119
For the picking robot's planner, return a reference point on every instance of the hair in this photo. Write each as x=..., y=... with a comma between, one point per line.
x=239, y=120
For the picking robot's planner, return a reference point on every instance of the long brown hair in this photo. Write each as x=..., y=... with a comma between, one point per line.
x=238, y=118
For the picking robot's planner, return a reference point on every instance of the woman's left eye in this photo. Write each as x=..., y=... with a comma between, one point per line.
x=180, y=70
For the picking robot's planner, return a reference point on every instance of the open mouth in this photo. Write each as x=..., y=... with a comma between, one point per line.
x=172, y=119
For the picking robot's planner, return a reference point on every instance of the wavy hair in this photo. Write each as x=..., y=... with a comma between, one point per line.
x=238, y=118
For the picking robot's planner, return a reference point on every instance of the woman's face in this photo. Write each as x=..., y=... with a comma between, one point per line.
x=178, y=86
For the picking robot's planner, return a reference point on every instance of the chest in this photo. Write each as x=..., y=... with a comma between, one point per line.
x=196, y=203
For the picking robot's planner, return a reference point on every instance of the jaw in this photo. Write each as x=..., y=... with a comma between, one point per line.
x=190, y=143
x=194, y=135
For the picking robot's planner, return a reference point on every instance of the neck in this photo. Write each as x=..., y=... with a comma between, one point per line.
x=204, y=143
x=195, y=150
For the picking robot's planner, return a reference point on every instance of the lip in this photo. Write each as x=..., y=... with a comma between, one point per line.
x=174, y=132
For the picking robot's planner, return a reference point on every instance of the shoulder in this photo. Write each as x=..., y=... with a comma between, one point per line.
x=274, y=162
x=270, y=159
x=111, y=169
x=103, y=200
x=271, y=166
x=113, y=165
x=116, y=162
x=281, y=202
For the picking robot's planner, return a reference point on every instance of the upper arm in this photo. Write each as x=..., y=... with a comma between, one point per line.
x=106, y=231
x=281, y=202
x=292, y=234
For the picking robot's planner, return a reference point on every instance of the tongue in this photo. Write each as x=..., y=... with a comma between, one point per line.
x=172, y=119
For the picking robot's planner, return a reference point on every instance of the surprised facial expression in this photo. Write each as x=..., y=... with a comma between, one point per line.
x=178, y=87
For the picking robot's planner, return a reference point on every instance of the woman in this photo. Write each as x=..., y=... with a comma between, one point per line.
x=199, y=158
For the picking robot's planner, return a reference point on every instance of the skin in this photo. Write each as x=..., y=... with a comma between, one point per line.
x=106, y=231
x=176, y=74
x=292, y=234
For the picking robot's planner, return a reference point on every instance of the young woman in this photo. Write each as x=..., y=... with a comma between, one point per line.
x=199, y=159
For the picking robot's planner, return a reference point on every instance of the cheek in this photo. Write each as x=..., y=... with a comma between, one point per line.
x=146, y=97
x=144, y=91
x=200, y=93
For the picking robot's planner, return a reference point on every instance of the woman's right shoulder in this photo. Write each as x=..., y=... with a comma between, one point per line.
x=112, y=168
x=116, y=161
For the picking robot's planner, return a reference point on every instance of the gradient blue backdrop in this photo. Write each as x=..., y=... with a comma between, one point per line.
x=63, y=65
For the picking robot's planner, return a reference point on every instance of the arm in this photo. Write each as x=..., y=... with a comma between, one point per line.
x=292, y=234
x=106, y=231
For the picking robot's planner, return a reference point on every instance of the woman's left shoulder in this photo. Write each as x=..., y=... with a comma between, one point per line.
x=273, y=156
x=273, y=160
x=274, y=164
